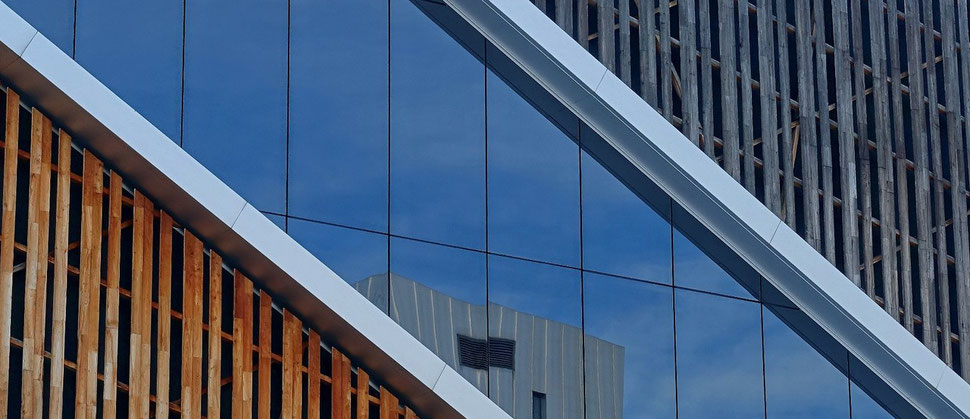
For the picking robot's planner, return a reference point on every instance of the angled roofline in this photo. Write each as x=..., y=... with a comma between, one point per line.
x=99, y=119
x=649, y=152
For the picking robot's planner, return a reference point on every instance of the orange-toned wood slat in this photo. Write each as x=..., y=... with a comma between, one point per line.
x=7, y=243
x=389, y=404
x=141, y=305
x=59, y=302
x=292, y=366
x=86, y=405
x=35, y=286
x=192, y=328
x=242, y=341
x=215, y=335
x=339, y=385
x=265, y=352
x=313, y=375
x=363, y=393
x=409, y=414
x=111, y=302
x=164, y=340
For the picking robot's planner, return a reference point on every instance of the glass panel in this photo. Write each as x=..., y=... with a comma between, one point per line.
x=437, y=133
x=864, y=407
x=800, y=382
x=135, y=48
x=719, y=362
x=694, y=269
x=53, y=18
x=629, y=348
x=277, y=219
x=338, y=112
x=536, y=307
x=235, y=97
x=533, y=180
x=359, y=257
x=438, y=294
x=621, y=234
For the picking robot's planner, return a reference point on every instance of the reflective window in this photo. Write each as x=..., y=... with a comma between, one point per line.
x=359, y=257
x=53, y=18
x=533, y=181
x=338, y=112
x=629, y=348
x=621, y=234
x=536, y=310
x=135, y=48
x=438, y=294
x=437, y=133
x=277, y=219
x=694, y=269
x=864, y=407
x=800, y=382
x=235, y=95
x=719, y=363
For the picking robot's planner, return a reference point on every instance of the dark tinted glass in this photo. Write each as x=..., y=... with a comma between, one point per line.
x=338, y=112
x=621, y=234
x=539, y=308
x=864, y=407
x=438, y=294
x=719, y=364
x=53, y=18
x=800, y=382
x=629, y=348
x=533, y=181
x=437, y=133
x=135, y=48
x=235, y=95
x=359, y=257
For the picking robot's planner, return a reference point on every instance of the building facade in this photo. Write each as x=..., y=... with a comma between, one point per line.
x=413, y=156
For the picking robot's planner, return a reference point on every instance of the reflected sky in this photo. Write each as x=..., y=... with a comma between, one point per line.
x=863, y=407
x=694, y=269
x=53, y=18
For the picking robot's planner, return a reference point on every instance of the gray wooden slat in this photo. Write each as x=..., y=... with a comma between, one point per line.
x=963, y=287
x=666, y=62
x=808, y=145
x=784, y=89
x=625, y=58
x=729, y=89
x=862, y=145
x=847, y=164
x=747, y=107
x=688, y=70
x=825, y=132
x=605, y=33
x=922, y=175
x=648, y=52
x=707, y=76
x=769, y=106
x=564, y=15
x=582, y=23
x=902, y=180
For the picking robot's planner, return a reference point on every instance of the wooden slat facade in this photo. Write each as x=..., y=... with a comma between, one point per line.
x=167, y=358
x=859, y=137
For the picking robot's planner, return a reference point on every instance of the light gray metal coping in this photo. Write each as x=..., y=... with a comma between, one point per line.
x=74, y=99
x=662, y=155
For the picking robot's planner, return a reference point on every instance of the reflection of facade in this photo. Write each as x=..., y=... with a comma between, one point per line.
x=536, y=363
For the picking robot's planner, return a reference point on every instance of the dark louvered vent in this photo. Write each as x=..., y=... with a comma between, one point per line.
x=472, y=353
x=501, y=353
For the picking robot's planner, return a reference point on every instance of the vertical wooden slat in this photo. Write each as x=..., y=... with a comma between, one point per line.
x=625, y=56
x=605, y=34
x=648, y=52
x=35, y=286
x=313, y=375
x=688, y=70
x=141, y=305
x=340, y=385
x=747, y=105
x=808, y=146
x=784, y=90
x=862, y=144
x=769, y=106
x=389, y=404
x=847, y=164
x=824, y=132
x=7, y=244
x=292, y=366
x=242, y=353
x=59, y=303
x=363, y=391
x=409, y=414
x=112, y=295
x=963, y=287
x=164, y=340
x=582, y=22
x=89, y=295
x=192, y=328
x=215, y=335
x=666, y=63
x=707, y=76
x=265, y=351
x=729, y=101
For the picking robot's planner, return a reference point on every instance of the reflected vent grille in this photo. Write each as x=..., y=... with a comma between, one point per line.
x=480, y=354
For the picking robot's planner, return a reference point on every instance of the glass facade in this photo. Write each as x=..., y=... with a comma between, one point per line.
x=414, y=167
